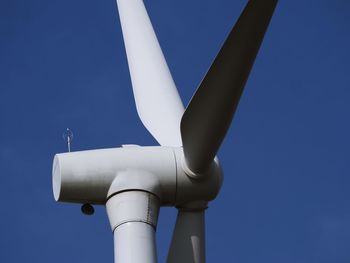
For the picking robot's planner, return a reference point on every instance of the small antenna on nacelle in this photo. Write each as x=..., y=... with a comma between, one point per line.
x=68, y=137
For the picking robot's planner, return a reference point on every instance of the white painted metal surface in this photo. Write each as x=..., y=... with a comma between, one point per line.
x=133, y=206
x=209, y=114
x=133, y=182
x=133, y=217
x=93, y=176
x=134, y=242
x=87, y=176
x=157, y=100
x=188, y=243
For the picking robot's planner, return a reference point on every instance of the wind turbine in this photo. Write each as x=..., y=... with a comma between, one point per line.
x=133, y=182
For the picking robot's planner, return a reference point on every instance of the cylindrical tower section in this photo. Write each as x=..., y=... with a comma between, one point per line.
x=133, y=216
x=134, y=242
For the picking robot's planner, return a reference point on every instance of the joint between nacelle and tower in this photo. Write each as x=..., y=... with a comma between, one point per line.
x=133, y=206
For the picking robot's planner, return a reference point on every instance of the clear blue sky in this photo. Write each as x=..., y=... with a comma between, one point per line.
x=286, y=157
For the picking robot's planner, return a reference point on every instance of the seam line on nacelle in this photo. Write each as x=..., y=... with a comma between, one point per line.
x=134, y=221
x=132, y=190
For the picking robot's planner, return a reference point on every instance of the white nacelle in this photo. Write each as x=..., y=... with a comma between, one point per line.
x=94, y=176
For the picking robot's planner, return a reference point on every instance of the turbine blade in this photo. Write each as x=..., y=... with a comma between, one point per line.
x=210, y=112
x=188, y=243
x=157, y=100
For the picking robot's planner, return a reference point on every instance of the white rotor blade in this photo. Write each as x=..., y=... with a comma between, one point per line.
x=188, y=242
x=157, y=100
x=210, y=112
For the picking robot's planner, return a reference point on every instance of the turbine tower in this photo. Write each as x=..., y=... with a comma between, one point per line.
x=133, y=182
